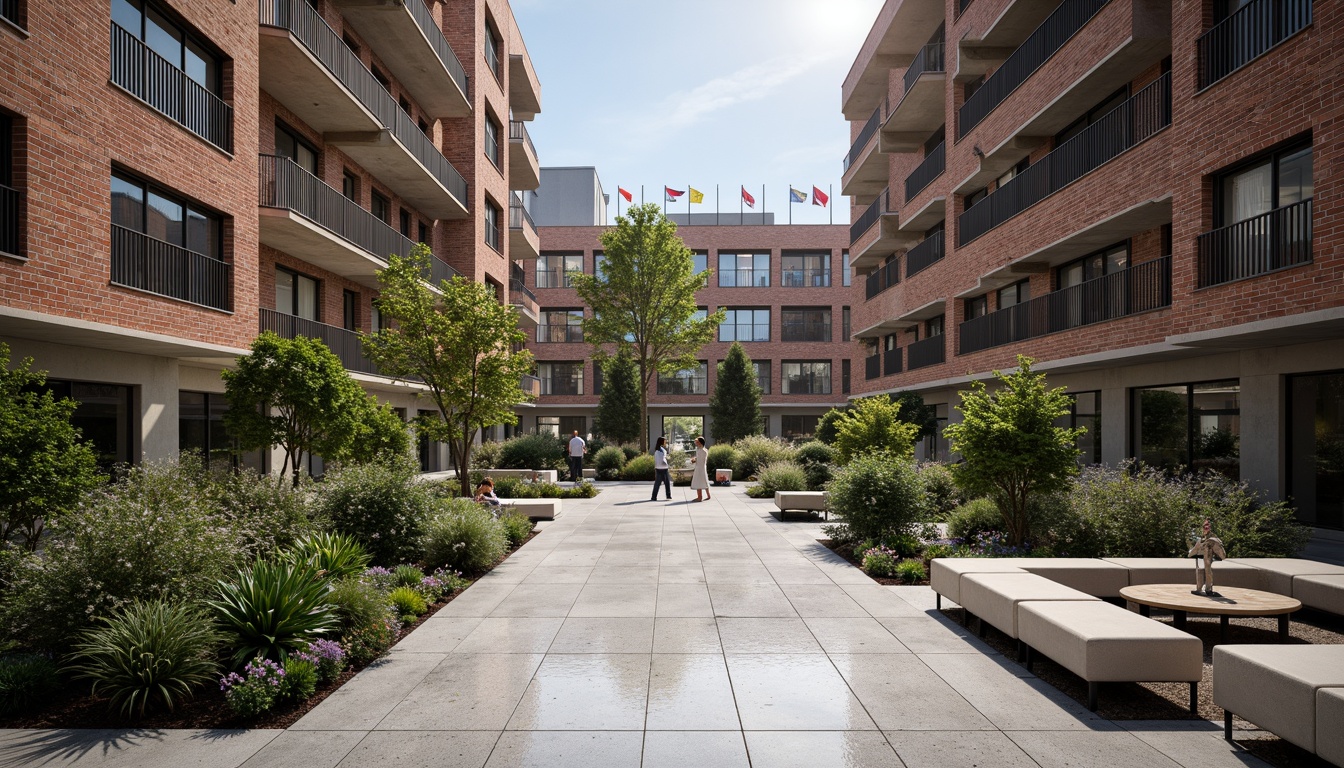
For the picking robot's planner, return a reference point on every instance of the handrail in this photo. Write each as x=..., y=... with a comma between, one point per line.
x=165, y=87
x=518, y=132
x=930, y=168
x=517, y=286
x=1246, y=34
x=870, y=216
x=425, y=21
x=882, y=278
x=929, y=59
x=1259, y=245
x=866, y=134
x=346, y=345
x=926, y=352
x=148, y=264
x=925, y=254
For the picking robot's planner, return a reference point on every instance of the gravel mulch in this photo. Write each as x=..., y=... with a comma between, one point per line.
x=1170, y=701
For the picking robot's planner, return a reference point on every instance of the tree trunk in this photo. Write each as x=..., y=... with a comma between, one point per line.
x=464, y=462
x=643, y=407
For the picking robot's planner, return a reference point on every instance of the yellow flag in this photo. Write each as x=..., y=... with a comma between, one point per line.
x=697, y=196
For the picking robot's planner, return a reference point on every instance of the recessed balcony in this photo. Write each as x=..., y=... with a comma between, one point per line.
x=524, y=169
x=525, y=301
x=524, y=88
x=165, y=87
x=153, y=266
x=876, y=234
x=927, y=352
x=410, y=43
x=921, y=109
x=900, y=31
x=865, y=167
x=524, y=241
x=1245, y=35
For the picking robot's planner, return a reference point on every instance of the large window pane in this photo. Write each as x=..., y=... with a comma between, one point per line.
x=744, y=270
x=128, y=15
x=1248, y=193
x=812, y=378
x=694, y=381
x=1190, y=426
x=163, y=37
x=128, y=204
x=166, y=219
x=1295, y=183
x=1316, y=448
x=798, y=428
x=1216, y=418
x=1163, y=418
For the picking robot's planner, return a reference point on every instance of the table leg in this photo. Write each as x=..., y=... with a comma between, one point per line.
x=1283, y=628
x=1178, y=619
x=1145, y=611
x=1222, y=628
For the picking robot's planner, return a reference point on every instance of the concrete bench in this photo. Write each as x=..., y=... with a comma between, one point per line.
x=804, y=501
x=537, y=509
x=1104, y=643
x=996, y=597
x=1278, y=687
x=589, y=473
x=1324, y=593
x=1278, y=573
x=540, y=475
x=1181, y=570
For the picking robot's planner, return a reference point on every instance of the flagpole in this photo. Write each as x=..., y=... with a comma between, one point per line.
x=790, y=204
x=741, y=211
x=762, y=203
x=641, y=194
x=716, y=204
x=830, y=190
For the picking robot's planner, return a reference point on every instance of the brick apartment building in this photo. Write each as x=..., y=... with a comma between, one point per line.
x=1141, y=195
x=785, y=289
x=211, y=169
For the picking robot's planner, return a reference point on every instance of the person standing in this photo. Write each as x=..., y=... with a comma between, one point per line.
x=700, y=479
x=577, y=448
x=661, y=472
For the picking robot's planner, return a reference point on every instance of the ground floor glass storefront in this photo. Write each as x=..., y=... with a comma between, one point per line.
x=1316, y=448
x=104, y=418
x=1189, y=426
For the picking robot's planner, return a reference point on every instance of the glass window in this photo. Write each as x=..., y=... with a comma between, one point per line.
x=350, y=186
x=812, y=324
x=548, y=425
x=845, y=334
x=380, y=207
x=1277, y=181
x=554, y=269
x=935, y=446
x=128, y=203
x=1189, y=426
x=975, y=197
x=561, y=378
x=169, y=40
x=404, y=223
x=494, y=223
x=806, y=378
x=699, y=261
x=295, y=294
x=492, y=140
x=103, y=416
x=571, y=424
x=1085, y=412
x=599, y=262
x=744, y=270
x=1316, y=448
x=350, y=310
x=745, y=325
x=289, y=144
x=761, y=369
x=977, y=307
x=849, y=272
x=200, y=428
x=681, y=431
x=798, y=270
x=1093, y=115
x=844, y=376
x=1094, y=265
x=694, y=381
x=560, y=326
x=933, y=327
x=798, y=427
x=1017, y=293
x=164, y=216
x=492, y=49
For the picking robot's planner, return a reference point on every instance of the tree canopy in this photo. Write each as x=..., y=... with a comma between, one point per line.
x=618, y=405
x=873, y=425
x=460, y=342
x=1010, y=446
x=735, y=406
x=643, y=300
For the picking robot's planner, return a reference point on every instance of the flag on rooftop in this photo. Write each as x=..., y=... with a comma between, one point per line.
x=672, y=194
x=629, y=198
x=696, y=195
x=819, y=197
x=748, y=199
x=797, y=195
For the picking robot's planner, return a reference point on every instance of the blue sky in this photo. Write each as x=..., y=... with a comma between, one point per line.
x=699, y=93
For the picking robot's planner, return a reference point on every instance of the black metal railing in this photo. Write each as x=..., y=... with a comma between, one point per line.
x=559, y=334
x=882, y=278
x=154, y=266
x=891, y=361
x=866, y=134
x=518, y=132
x=1249, y=32
x=283, y=184
x=1048, y=38
x=805, y=331
x=530, y=385
x=930, y=168
x=425, y=21
x=925, y=254
x=929, y=59
x=520, y=292
x=312, y=31
x=1139, y=288
x=1258, y=245
x=1119, y=130
x=869, y=216
x=11, y=202
x=440, y=270
x=556, y=278
x=872, y=367
x=346, y=345
x=9, y=9
x=744, y=278
x=808, y=277
x=926, y=352
x=518, y=215
x=165, y=87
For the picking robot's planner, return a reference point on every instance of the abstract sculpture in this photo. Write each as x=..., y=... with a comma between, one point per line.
x=1205, y=549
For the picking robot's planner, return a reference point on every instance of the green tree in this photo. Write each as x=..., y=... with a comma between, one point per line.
x=643, y=300
x=618, y=407
x=1010, y=446
x=914, y=411
x=735, y=406
x=460, y=344
x=295, y=394
x=829, y=424
x=380, y=434
x=44, y=468
x=872, y=425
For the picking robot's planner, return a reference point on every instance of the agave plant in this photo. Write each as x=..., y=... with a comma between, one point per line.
x=334, y=555
x=155, y=650
x=273, y=608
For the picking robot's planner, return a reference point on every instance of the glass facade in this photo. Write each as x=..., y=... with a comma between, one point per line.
x=561, y=378
x=807, y=378
x=694, y=381
x=1189, y=427
x=104, y=418
x=745, y=325
x=1316, y=448
x=744, y=270
x=1085, y=412
x=798, y=428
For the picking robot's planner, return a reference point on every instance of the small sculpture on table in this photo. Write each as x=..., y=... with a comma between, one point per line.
x=1205, y=550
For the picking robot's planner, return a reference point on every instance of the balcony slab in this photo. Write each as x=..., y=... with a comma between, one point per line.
x=400, y=170
x=287, y=231
x=524, y=88
x=901, y=29
x=919, y=113
x=307, y=88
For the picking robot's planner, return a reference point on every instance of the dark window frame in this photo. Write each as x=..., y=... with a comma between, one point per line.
x=189, y=206
x=1274, y=157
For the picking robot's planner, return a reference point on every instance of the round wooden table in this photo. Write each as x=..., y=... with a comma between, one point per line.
x=1232, y=601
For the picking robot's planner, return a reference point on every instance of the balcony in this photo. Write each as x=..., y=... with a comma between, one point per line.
x=1140, y=288
x=930, y=168
x=307, y=219
x=9, y=12
x=1121, y=129
x=865, y=167
x=559, y=334
x=872, y=367
x=1244, y=36
x=882, y=278
x=411, y=44
x=524, y=242
x=11, y=203
x=307, y=66
x=524, y=88
x=928, y=252
x=556, y=278
x=1272, y=241
x=524, y=300
x=346, y=345
x=921, y=110
x=900, y=31
x=926, y=352
x=876, y=234
x=1044, y=42
x=806, y=277
x=524, y=170
x=167, y=89
x=531, y=385
x=891, y=361
x=163, y=269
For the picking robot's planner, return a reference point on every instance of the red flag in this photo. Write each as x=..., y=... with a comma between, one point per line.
x=626, y=194
x=748, y=199
x=819, y=197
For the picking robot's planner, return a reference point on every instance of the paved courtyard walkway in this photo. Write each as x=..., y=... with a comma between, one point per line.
x=658, y=634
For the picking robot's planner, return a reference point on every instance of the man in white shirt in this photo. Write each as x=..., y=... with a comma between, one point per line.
x=577, y=448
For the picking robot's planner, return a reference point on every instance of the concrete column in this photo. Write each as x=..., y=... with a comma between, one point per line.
x=1115, y=425
x=158, y=403
x=1262, y=433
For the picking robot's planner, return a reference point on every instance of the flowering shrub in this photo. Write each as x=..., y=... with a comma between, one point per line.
x=440, y=584
x=380, y=578
x=254, y=692
x=364, y=644
x=880, y=561
x=465, y=536
x=878, y=496
x=327, y=656
x=300, y=681
x=358, y=602
x=382, y=505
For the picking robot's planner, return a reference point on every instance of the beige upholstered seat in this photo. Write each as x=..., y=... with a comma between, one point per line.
x=1325, y=593
x=1275, y=686
x=1095, y=577
x=995, y=597
x=812, y=501
x=537, y=509
x=1330, y=724
x=1101, y=642
x=1181, y=570
x=1277, y=573
x=945, y=573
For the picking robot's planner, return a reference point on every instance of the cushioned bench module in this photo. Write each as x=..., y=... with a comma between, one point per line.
x=1101, y=643
x=805, y=501
x=537, y=509
x=1278, y=687
x=996, y=597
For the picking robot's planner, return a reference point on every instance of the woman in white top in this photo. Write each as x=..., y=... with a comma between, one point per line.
x=661, y=475
x=700, y=479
